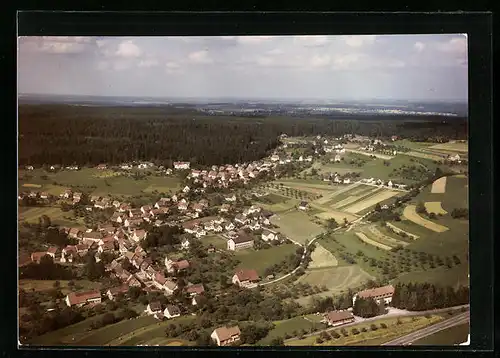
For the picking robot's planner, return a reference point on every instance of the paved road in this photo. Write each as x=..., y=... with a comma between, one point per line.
x=414, y=336
x=405, y=314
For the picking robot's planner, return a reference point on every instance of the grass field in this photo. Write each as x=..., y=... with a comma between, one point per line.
x=297, y=226
x=368, y=154
x=337, y=215
x=370, y=200
x=411, y=214
x=362, y=236
x=216, y=240
x=56, y=215
x=44, y=285
x=336, y=280
x=455, y=196
x=422, y=155
x=262, y=259
x=452, y=146
x=288, y=326
x=441, y=276
x=447, y=337
x=371, y=338
x=399, y=230
x=322, y=258
x=383, y=236
x=277, y=203
x=412, y=145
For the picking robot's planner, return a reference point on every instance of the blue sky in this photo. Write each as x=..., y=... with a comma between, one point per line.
x=414, y=67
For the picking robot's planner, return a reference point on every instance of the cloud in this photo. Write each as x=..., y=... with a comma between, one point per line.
x=419, y=46
x=346, y=61
x=312, y=40
x=457, y=45
x=128, y=49
x=276, y=51
x=200, y=57
x=172, y=67
x=320, y=61
x=56, y=44
x=251, y=40
x=148, y=63
x=359, y=40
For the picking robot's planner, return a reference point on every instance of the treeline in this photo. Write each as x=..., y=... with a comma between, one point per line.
x=425, y=296
x=59, y=134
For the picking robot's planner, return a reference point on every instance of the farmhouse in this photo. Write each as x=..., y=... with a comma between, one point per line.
x=242, y=241
x=224, y=336
x=303, y=205
x=82, y=298
x=163, y=284
x=194, y=290
x=182, y=165
x=139, y=235
x=153, y=308
x=378, y=294
x=93, y=236
x=246, y=278
x=337, y=318
x=176, y=265
x=172, y=311
x=241, y=219
x=268, y=235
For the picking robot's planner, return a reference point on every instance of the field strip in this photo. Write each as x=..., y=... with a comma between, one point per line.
x=372, y=191
x=422, y=155
x=370, y=201
x=345, y=202
x=296, y=185
x=389, y=240
x=457, y=147
x=369, y=154
x=321, y=257
x=398, y=230
x=32, y=185
x=369, y=241
x=410, y=213
x=435, y=207
x=439, y=186
x=343, y=190
x=461, y=176
x=337, y=215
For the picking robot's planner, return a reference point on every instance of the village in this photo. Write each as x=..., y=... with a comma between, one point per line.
x=190, y=209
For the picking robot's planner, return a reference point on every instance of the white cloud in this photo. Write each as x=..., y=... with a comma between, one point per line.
x=320, y=61
x=359, y=40
x=148, y=63
x=253, y=39
x=56, y=44
x=172, y=67
x=265, y=61
x=200, y=57
x=457, y=45
x=419, y=46
x=128, y=49
x=341, y=62
x=276, y=51
x=313, y=40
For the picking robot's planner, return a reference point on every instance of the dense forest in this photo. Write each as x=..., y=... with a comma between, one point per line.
x=62, y=134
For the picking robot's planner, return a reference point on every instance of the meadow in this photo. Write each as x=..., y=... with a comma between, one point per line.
x=56, y=215
x=297, y=226
x=446, y=337
x=259, y=260
x=289, y=326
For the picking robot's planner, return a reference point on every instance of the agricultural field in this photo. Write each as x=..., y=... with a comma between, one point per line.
x=369, y=241
x=452, y=146
x=368, y=154
x=321, y=258
x=370, y=200
x=424, y=155
x=297, y=226
x=370, y=337
x=455, y=194
x=435, y=207
x=410, y=213
x=339, y=216
x=412, y=145
x=276, y=203
x=446, y=337
x=56, y=215
x=337, y=280
x=378, y=237
x=439, y=186
x=455, y=276
x=288, y=326
x=262, y=259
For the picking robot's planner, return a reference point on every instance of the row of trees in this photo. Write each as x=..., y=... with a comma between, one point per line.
x=425, y=296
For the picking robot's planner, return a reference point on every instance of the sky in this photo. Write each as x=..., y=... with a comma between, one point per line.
x=399, y=67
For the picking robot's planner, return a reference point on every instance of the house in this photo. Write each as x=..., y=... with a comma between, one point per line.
x=389, y=184
x=112, y=293
x=102, y=166
x=37, y=256
x=107, y=246
x=53, y=251
x=172, y=311
x=254, y=226
x=115, y=203
x=379, y=294
x=44, y=195
x=153, y=308
x=196, y=289
x=182, y=165
x=347, y=181
x=338, y=318
x=241, y=219
x=303, y=205
x=225, y=336
x=229, y=226
x=224, y=208
x=185, y=244
x=186, y=189
x=139, y=235
x=176, y=265
x=337, y=158
x=275, y=158
x=29, y=167
x=82, y=298
x=67, y=194
x=163, y=284
x=242, y=241
x=454, y=158
x=182, y=206
x=92, y=236
x=68, y=253
x=394, y=138
x=245, y=278
x=230, y=198
x=268, y=236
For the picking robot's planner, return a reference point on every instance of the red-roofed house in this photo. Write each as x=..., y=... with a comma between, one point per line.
x=246, y=278
x=82, y=298
x=194, y=290
x=380, y=293
x=225, y=336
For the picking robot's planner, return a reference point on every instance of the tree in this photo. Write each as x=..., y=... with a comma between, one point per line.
x=378, y=207
x=277, y=341
x=420, y=209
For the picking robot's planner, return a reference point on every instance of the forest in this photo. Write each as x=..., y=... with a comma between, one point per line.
x=65, y=135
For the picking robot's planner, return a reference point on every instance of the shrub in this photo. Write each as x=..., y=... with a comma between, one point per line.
x=383, y=325
x=373, y=327
x=319, y=340
x=355, y=331
x=364, y=329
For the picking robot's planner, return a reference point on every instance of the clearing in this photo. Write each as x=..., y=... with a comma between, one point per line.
x=410, y=213
x=297, y=226
x=337, y=215
x=44, y=285
x=439, y=186
x=439, y=276
x=369, y=154
x=56, y=215
x=435, y=207
x=322, y=258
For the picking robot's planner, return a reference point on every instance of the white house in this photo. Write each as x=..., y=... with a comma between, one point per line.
x=347, y=181
x=153, y=308
x=268, y=236
x=229, y=227
x=182, y=165
x=231, y=198
x=224, y=336
x=186, y=189
x=82, y=298
x=172, y=311
x=240, y=242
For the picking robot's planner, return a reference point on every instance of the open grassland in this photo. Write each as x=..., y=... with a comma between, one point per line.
x=297, y=226
x=452, y=146
x=412, y=145
x=337, y=215
x=423, y=155
x=215, y=240
x=439, y=186
x=370, y=338
x=369, y=241
x=288, y=326
x=44, y=285
x=370, y=200
x=56, y=215
x=455, y=196
x=334, y=196
x=318, y=188
x=447, y=337
x=435, y=207
x=337, y=280
x=410, y=213
x=440, y=276
x=398, y=230
x=322, y=258
x=276, y=203
x=369, y=154
x=378, y=170
x=262, y=259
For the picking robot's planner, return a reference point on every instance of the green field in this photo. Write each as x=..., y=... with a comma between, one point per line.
x=449, y=336
x=288, y=326
x=262, y=259
x=455, y=196
x=56, y=215
x=297, y=226
x=44, y=285
x=454, y=276
x=412, y=145
x=277, y=203
x=215, y=240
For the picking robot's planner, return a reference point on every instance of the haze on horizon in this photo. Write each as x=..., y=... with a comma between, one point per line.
x=396, y=67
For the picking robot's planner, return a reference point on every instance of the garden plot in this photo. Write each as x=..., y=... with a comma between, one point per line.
x=410, y=213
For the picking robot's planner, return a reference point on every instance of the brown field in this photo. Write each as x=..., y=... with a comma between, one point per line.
x=439, y=186
x=369, y=241
x=377, y=198
x=322, y=258
x=32, y=185
x=435, y=207
x=398, y=230
x=326, y=198
x=410, y=213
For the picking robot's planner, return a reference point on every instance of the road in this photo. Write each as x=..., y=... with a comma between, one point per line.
x=406, y=314
x=427, y=331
